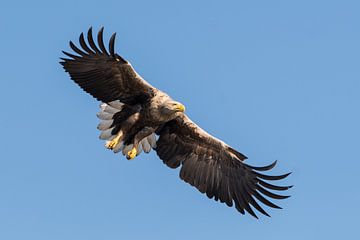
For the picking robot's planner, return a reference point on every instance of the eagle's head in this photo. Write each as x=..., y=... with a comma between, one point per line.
x=171, y=108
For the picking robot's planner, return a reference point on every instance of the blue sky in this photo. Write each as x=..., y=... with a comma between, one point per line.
x=275, y=79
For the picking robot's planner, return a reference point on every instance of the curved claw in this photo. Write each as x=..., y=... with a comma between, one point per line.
x=131, y=154
x=111, y=144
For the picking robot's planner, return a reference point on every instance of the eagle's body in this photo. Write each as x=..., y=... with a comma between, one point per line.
x=133, y=112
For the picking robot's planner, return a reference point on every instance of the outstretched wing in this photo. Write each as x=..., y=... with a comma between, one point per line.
x=215, y=168
x=105, y=75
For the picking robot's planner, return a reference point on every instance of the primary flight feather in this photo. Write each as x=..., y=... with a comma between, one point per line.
x=133, y=113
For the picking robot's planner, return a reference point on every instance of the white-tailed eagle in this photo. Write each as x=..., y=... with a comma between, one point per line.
x=136, y=116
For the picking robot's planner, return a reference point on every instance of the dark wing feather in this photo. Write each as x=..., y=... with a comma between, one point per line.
x=107, y=77
x=215, y=168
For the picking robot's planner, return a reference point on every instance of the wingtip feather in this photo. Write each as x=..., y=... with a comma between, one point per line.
x=100, y=38
x=112, y=45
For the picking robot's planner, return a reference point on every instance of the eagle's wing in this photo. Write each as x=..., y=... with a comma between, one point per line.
x=215, y=168
x=106, y=76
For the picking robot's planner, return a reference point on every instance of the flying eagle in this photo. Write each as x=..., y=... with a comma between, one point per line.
x=135, y=117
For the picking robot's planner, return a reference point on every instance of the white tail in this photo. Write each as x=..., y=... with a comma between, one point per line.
x=105, y=124
x=106, y=114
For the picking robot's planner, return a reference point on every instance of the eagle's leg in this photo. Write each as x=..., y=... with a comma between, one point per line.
x=112, y=144
x=146, y=131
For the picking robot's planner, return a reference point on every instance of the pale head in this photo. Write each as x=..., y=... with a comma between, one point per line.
x=172, y=107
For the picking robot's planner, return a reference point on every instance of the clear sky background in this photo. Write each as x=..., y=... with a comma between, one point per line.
x=274, y=79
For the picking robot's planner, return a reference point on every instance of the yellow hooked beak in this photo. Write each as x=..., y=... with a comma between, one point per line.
x=179, y=107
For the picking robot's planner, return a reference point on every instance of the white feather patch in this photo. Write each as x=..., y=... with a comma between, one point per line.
x=139, y=149
x=104, y=115
x=145, y=145
x=105, y=135
x=102, y=106
x=152, y=140
x=105, y=124
x=107, y=108
x=111, y=110
x=116, y=104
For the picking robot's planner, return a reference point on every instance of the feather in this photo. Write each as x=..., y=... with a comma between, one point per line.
x=152, y=140
x=104, y=135
x=214, y=167
x=107, y=78
x=270, y=194
x=116, y=104
x=101, y=41
x=105, y=124
x=70, y=55
x=109, y=109
x=271, y=178
x=104, y=115
x=76, y=49
x=139, y=149
x=145, y=145
x=273, y=187
x=102, y=106
x=112, y=45
x=264, y=200
x=265, y=168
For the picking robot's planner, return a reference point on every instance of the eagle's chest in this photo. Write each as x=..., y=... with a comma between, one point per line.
x=150, y=117
x=151, y=114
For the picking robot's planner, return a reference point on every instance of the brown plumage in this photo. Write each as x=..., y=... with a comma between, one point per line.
x=132, y=113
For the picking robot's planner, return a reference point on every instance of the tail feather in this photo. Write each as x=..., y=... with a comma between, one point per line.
x=104, y=116
x=145, y=145
x=116, y=104
x=152, y=140
x=139, y=149
x=109, y=109
x=105, y=124
x=112, y=116
x=106, y=134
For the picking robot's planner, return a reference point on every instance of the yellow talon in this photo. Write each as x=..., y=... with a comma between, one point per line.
x=131, y=154
x=112, y=144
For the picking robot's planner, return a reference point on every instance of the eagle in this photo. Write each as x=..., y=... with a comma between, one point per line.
x=135, y=117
